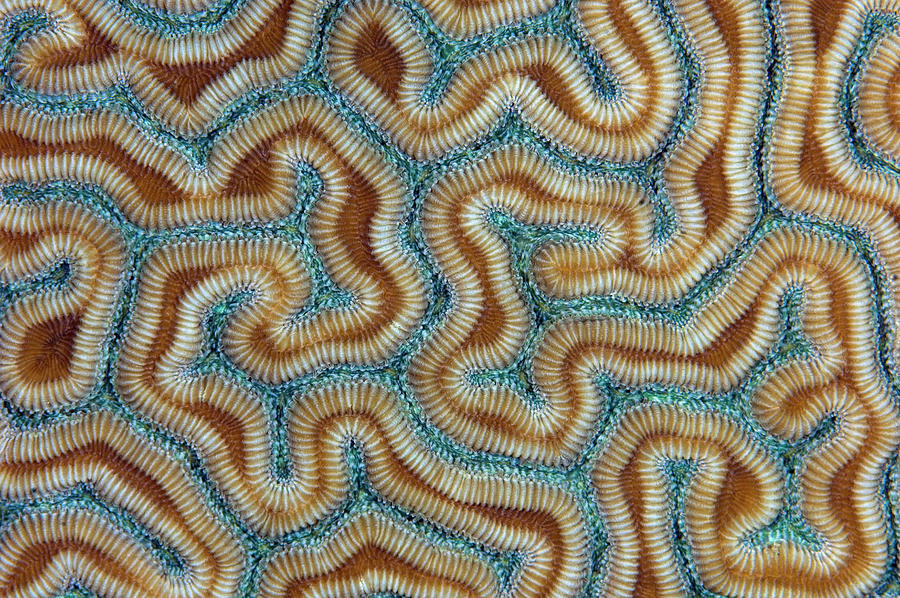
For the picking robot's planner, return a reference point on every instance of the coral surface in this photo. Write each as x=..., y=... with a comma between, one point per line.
x=449, y=298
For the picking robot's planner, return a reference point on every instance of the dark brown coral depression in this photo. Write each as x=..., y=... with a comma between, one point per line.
x=449, y=298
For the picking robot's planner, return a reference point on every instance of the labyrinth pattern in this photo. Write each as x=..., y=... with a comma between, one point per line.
x=449, y=298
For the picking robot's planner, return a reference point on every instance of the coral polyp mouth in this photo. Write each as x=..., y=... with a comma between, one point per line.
x=538, y=299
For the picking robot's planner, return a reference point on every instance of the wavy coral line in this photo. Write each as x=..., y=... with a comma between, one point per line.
x=51, y=339
x=738, y=489
x=377, y=59
x=185, y=81
x=42, y=552
x=249, y=176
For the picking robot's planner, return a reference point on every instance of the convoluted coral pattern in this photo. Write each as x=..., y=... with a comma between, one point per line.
x=417, y=298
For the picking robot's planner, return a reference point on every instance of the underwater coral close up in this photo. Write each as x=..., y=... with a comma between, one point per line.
x=449, y=298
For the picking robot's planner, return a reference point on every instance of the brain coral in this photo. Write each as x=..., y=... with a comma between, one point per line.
x=449, y=298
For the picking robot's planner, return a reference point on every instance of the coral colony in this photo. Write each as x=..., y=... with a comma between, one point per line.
x=449, y=298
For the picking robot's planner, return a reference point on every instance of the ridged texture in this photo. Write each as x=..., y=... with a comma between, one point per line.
x=50, y=339
x=183, y=81
x=813, y=170
x=449, y=298
x=737, y=487
x=44, y=550
x=378, y=60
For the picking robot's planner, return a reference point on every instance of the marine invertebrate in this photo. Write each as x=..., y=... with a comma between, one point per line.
x=536, y=520
x=248, y=176
x=738, y=488
x=812, y=168
x=877, y=96
x=541, y=77
x=43, y=551
x=229, y=428
x=534, y=299
x=50, y=339
x=379, y=557
x=185, y=80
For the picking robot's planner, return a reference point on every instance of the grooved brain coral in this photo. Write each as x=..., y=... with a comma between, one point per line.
x=497, y=298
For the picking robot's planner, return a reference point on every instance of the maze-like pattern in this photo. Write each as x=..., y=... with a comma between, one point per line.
x=543, y=299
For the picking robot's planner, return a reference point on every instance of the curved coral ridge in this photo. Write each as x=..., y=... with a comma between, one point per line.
x=449, y=298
